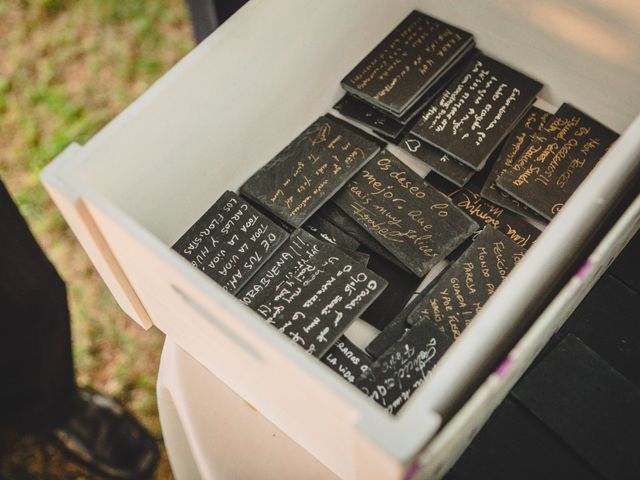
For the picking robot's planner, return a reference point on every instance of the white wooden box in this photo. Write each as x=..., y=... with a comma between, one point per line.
x=243, y=94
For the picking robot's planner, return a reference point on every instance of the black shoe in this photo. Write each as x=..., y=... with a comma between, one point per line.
x=104, y=436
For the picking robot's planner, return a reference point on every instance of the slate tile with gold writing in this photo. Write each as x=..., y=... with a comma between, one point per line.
x=311, y=291
x=439, y=161
x=230, y=242
x=308, y=171
x=555, y=165
x=347, y=360
x=468, y=283
x=409, y=60
x=530, y=126
x=401, y=369
x=414, y=221
x=340, y=219
x=388, y=125
x=486, y=213
x=472, y=116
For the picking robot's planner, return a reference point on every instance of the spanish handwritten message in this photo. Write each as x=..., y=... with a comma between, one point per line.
x=414, y=221
x=529, y=129
x=407, y=62
x=230, y=242
x=400, y=370
x=309, y=170
x=467, y=284
x=311, y=291
x=475, y=113
x=545, y=175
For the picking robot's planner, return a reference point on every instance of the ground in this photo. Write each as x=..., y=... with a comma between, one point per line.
x=67, y=67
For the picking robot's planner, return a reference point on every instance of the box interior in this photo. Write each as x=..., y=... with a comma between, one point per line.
x=241, y=96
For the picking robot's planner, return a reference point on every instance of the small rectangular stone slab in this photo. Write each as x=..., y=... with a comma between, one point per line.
x=486, y=213
x=409, y=60
x=439, y=161
x=347, y=360
x=472, y=116
x=308, y=171
x=230, y=242
x=340, y=219
x=556, y=164
x=530, y=126
x=394, y=376
x=311, y=291
x=468, y=283
x=414, y=221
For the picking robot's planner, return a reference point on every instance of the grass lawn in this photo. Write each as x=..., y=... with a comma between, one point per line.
x=66, y=68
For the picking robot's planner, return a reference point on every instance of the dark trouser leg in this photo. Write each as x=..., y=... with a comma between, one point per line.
x=206, y=15
x=36, y=368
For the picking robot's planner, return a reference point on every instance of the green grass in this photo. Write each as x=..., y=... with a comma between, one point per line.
x=66, y=68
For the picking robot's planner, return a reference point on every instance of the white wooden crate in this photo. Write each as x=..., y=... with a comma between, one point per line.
x=244, y=93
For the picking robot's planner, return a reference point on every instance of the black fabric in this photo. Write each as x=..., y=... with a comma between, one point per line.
x=36, y=365
x=206, y=15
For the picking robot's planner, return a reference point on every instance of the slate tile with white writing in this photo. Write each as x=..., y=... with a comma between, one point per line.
x=529, y=127
x=472, y=116
x=439, y=161
x=414, y=221
x=468, y=283
x=311, y=291
x=556, y=164
x=230, y=242
x=347, y=360
x=402, y=285
x=394, y=376
x=308, y=171
x=409, y=60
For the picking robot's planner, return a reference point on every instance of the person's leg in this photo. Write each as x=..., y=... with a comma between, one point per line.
x=35, y=341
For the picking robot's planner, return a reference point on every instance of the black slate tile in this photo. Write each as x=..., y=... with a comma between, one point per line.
x=399, y=325
x=474, y=114
x=308, y=171
x=347, y=360
x=443, y=164
x=530, y=126
x=230, y=242
x=557, y=162
x=395, y=375
x=468, y=283
x=311, y=291
x=407, y=62
x=486, y=213
x=340, y=219
x=414, y=221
